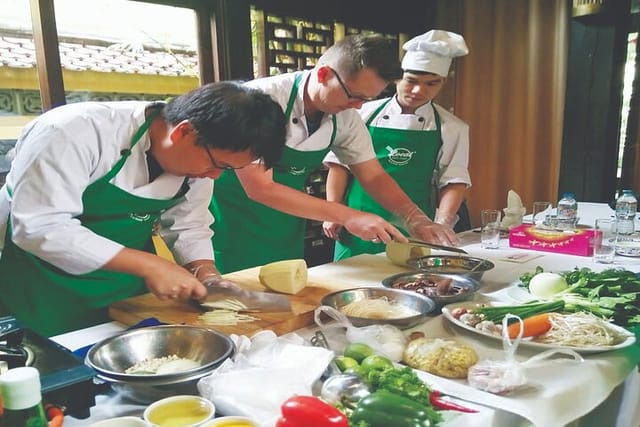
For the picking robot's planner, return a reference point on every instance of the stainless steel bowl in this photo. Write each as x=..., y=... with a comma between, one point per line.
x=111, y=357
x=462, y=287
x=452, y=265
x=423, y=305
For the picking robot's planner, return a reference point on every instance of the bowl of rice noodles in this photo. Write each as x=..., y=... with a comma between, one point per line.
x=148, y=364
x=376, y=305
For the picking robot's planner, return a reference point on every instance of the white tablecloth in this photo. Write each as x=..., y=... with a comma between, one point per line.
x=603, y=392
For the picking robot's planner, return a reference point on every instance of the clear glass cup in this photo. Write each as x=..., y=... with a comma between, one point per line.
x=542, y=212
x=604, y=240
x=490, y=231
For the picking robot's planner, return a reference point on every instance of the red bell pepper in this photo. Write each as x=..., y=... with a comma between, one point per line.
x=310, y=411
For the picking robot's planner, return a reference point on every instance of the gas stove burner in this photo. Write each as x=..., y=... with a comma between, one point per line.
x=66, y=381
x=16, y=356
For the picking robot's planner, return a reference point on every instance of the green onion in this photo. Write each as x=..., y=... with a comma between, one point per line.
x=496, y=313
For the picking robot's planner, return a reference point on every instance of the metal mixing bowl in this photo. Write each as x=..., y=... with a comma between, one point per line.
x=111, y=357
x=419, y=303
x=452, y=265
x=463, y=287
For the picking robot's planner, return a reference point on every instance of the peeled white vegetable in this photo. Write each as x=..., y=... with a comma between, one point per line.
x=546, y=285
x=399, y=253
x=289, y=276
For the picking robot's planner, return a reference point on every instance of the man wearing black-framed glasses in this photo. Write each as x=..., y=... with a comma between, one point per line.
x=268, y=225
x=90, y=184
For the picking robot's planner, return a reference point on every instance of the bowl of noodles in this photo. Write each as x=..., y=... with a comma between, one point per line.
x=376, y=305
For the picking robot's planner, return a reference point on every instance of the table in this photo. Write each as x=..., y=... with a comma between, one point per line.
x=619, y=406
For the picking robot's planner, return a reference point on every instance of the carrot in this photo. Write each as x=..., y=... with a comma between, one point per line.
x=531, y=326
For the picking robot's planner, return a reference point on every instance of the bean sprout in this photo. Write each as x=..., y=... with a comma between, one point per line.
x=580, y=329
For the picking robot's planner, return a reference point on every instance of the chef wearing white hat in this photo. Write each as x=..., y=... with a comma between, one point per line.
x=433, y=51
x=417, y=142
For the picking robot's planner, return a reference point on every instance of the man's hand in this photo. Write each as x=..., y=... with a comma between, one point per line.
x=171, y=281
x=331, y=229
x=420, y=226
x=372, y=228
x=435, y=233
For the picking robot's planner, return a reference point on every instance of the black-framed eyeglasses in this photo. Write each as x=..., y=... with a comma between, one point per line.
x=348, y=92
x=216, y=164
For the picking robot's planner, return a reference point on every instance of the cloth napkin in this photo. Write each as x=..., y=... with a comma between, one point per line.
x=514, y=211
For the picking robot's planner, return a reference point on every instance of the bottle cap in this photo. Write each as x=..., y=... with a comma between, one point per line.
x=20, y=388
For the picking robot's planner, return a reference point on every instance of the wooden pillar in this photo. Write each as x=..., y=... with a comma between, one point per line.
x=45, y=37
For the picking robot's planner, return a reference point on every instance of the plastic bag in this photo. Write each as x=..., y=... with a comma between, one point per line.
x=503, y=376
x=264, y=372
x=386, y=340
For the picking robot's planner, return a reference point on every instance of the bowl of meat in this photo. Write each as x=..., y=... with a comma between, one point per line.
x=443, y=289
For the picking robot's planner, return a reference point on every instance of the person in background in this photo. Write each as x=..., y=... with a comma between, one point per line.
x=416, y=141
x=91, y=180
x=268, y=223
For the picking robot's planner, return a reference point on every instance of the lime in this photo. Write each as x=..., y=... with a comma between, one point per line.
x=344, y=363
x=358, y=351
x=375, y=362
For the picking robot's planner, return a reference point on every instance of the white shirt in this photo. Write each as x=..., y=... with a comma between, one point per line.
x=352, y=143
x=66, y=149
x=453, y=158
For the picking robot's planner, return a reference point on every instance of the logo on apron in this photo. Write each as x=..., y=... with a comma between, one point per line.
x=297, y=171
x=140, y=218
x=399, y=156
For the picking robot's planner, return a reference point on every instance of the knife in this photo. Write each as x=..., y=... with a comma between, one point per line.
x=253, y=301
x=434, y=246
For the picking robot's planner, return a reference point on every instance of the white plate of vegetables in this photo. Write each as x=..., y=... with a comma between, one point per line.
x=546, y=326
x=612, y=294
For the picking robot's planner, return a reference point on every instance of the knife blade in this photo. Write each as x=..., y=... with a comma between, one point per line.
x=254, y=301
x=434, y=246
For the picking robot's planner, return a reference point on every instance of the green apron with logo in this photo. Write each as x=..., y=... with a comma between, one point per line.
x=247, y=233
x=409, y=156
x=52, y=301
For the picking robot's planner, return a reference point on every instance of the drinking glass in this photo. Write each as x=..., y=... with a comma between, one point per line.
x=604, y=240
x=490, y=232
x=541, y=213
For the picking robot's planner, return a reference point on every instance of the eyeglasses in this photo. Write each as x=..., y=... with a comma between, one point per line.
x=348, y=92
x=216, y=164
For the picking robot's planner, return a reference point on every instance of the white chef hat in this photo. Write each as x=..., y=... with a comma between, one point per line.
x=432, y=51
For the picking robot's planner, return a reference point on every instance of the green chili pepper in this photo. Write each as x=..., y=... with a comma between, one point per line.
x=383, y=409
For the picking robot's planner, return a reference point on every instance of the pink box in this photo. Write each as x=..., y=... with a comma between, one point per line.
x=572, y=242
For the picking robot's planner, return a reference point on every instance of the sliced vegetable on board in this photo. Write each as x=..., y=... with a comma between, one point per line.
x=288, y=276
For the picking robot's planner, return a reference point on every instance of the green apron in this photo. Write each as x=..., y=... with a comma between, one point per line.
x=52, y=301
x=247, y=233
x=409, y=156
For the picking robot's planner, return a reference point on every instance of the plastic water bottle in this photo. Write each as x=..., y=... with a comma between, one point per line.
x=567, y=215
x=626, y=208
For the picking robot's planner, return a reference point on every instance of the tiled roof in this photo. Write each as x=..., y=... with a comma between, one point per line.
x=91, y=55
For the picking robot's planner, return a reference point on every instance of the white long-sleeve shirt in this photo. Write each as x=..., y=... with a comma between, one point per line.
x=352, y=142
x=60, y=154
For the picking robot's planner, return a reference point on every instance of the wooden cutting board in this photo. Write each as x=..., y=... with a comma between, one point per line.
x=132, y=310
